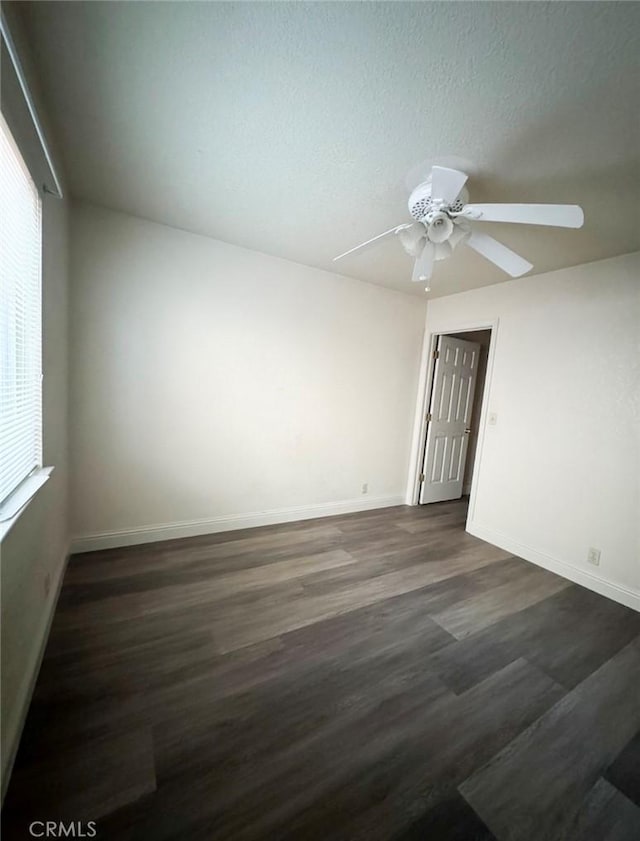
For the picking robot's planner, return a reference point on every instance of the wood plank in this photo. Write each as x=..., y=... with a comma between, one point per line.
x=568, y=635
x=254, y=547
x=452, y=819
x=402, y=749
x=484, y=609
x=606, y=814
x=537, y=783
x=242, y=626
x=409, y=774
x=86, y=781
x=210, y=591
x=624, y=771
x=310, y=698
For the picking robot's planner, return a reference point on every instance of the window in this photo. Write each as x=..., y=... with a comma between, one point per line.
x=20, y=322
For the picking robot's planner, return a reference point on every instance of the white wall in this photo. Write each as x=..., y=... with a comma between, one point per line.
x=560, y=470
x=215, y=387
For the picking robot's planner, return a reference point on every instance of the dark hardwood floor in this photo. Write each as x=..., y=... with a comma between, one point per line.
x=380, y=676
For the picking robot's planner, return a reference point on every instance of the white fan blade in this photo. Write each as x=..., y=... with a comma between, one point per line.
x=446, y=183
x=557, y=215
x=419, y=173
x=370, y=241
x=424, y=264
x=497, y=253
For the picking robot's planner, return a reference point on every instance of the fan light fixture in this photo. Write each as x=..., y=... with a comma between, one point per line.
x=439, y=227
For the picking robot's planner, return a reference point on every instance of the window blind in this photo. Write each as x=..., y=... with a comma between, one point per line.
x=20, y=319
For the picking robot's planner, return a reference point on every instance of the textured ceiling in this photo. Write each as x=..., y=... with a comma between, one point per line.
x=289, y=128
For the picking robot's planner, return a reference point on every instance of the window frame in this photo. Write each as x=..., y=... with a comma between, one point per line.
x=17, y=499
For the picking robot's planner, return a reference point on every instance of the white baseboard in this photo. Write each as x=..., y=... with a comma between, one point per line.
x=194, y=528
x=623, y=595
x=23, y=700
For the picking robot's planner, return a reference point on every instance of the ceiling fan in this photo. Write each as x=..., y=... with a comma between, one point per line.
x=442, y=220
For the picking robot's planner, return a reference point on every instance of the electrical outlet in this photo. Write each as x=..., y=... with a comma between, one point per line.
x=593, y=556
x=47, y=584
x=365, y=488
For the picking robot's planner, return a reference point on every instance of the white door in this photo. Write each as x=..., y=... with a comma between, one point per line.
x=449, y=419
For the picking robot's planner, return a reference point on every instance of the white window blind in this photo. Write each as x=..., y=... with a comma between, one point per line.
x=20, y=319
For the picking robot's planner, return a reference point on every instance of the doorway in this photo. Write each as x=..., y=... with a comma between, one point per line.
x=454, y=399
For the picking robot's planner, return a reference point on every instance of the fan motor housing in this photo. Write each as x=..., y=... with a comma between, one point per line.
x=421, y=205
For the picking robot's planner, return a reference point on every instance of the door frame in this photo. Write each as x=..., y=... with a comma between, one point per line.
x=424, y=394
